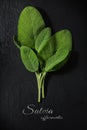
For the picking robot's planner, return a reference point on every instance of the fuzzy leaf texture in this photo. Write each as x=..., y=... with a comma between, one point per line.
x=63, y=43
x=40, y=51
x=30, y=23
x=29, y=59
x=42, y=39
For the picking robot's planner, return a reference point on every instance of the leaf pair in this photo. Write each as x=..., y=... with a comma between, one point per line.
x=41, y=52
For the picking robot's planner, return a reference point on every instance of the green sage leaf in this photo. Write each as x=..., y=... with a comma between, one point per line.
x=63, y=42
x=48, y=49
x=30, y=23
x=29, y=59
x=63, y=39
x=61, y=64
x=42, y=39
x=57, y=58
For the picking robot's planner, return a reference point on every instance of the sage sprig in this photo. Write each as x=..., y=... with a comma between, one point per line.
x=40, y=51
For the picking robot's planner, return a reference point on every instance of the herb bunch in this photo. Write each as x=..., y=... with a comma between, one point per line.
x=40, y=51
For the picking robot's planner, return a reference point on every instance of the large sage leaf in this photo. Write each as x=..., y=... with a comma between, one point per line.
x=57, y=58
x=61, y=39
x=42, y=39
x=30, y=23
x=29, y=59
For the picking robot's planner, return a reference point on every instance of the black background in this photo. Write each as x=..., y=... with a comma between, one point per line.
x=66, y=89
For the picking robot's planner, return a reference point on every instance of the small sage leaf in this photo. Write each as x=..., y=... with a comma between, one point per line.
x=42, y=39
x=48, y=49
x=29, y=59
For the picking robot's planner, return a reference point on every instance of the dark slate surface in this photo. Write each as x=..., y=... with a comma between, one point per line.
x=66, y=89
